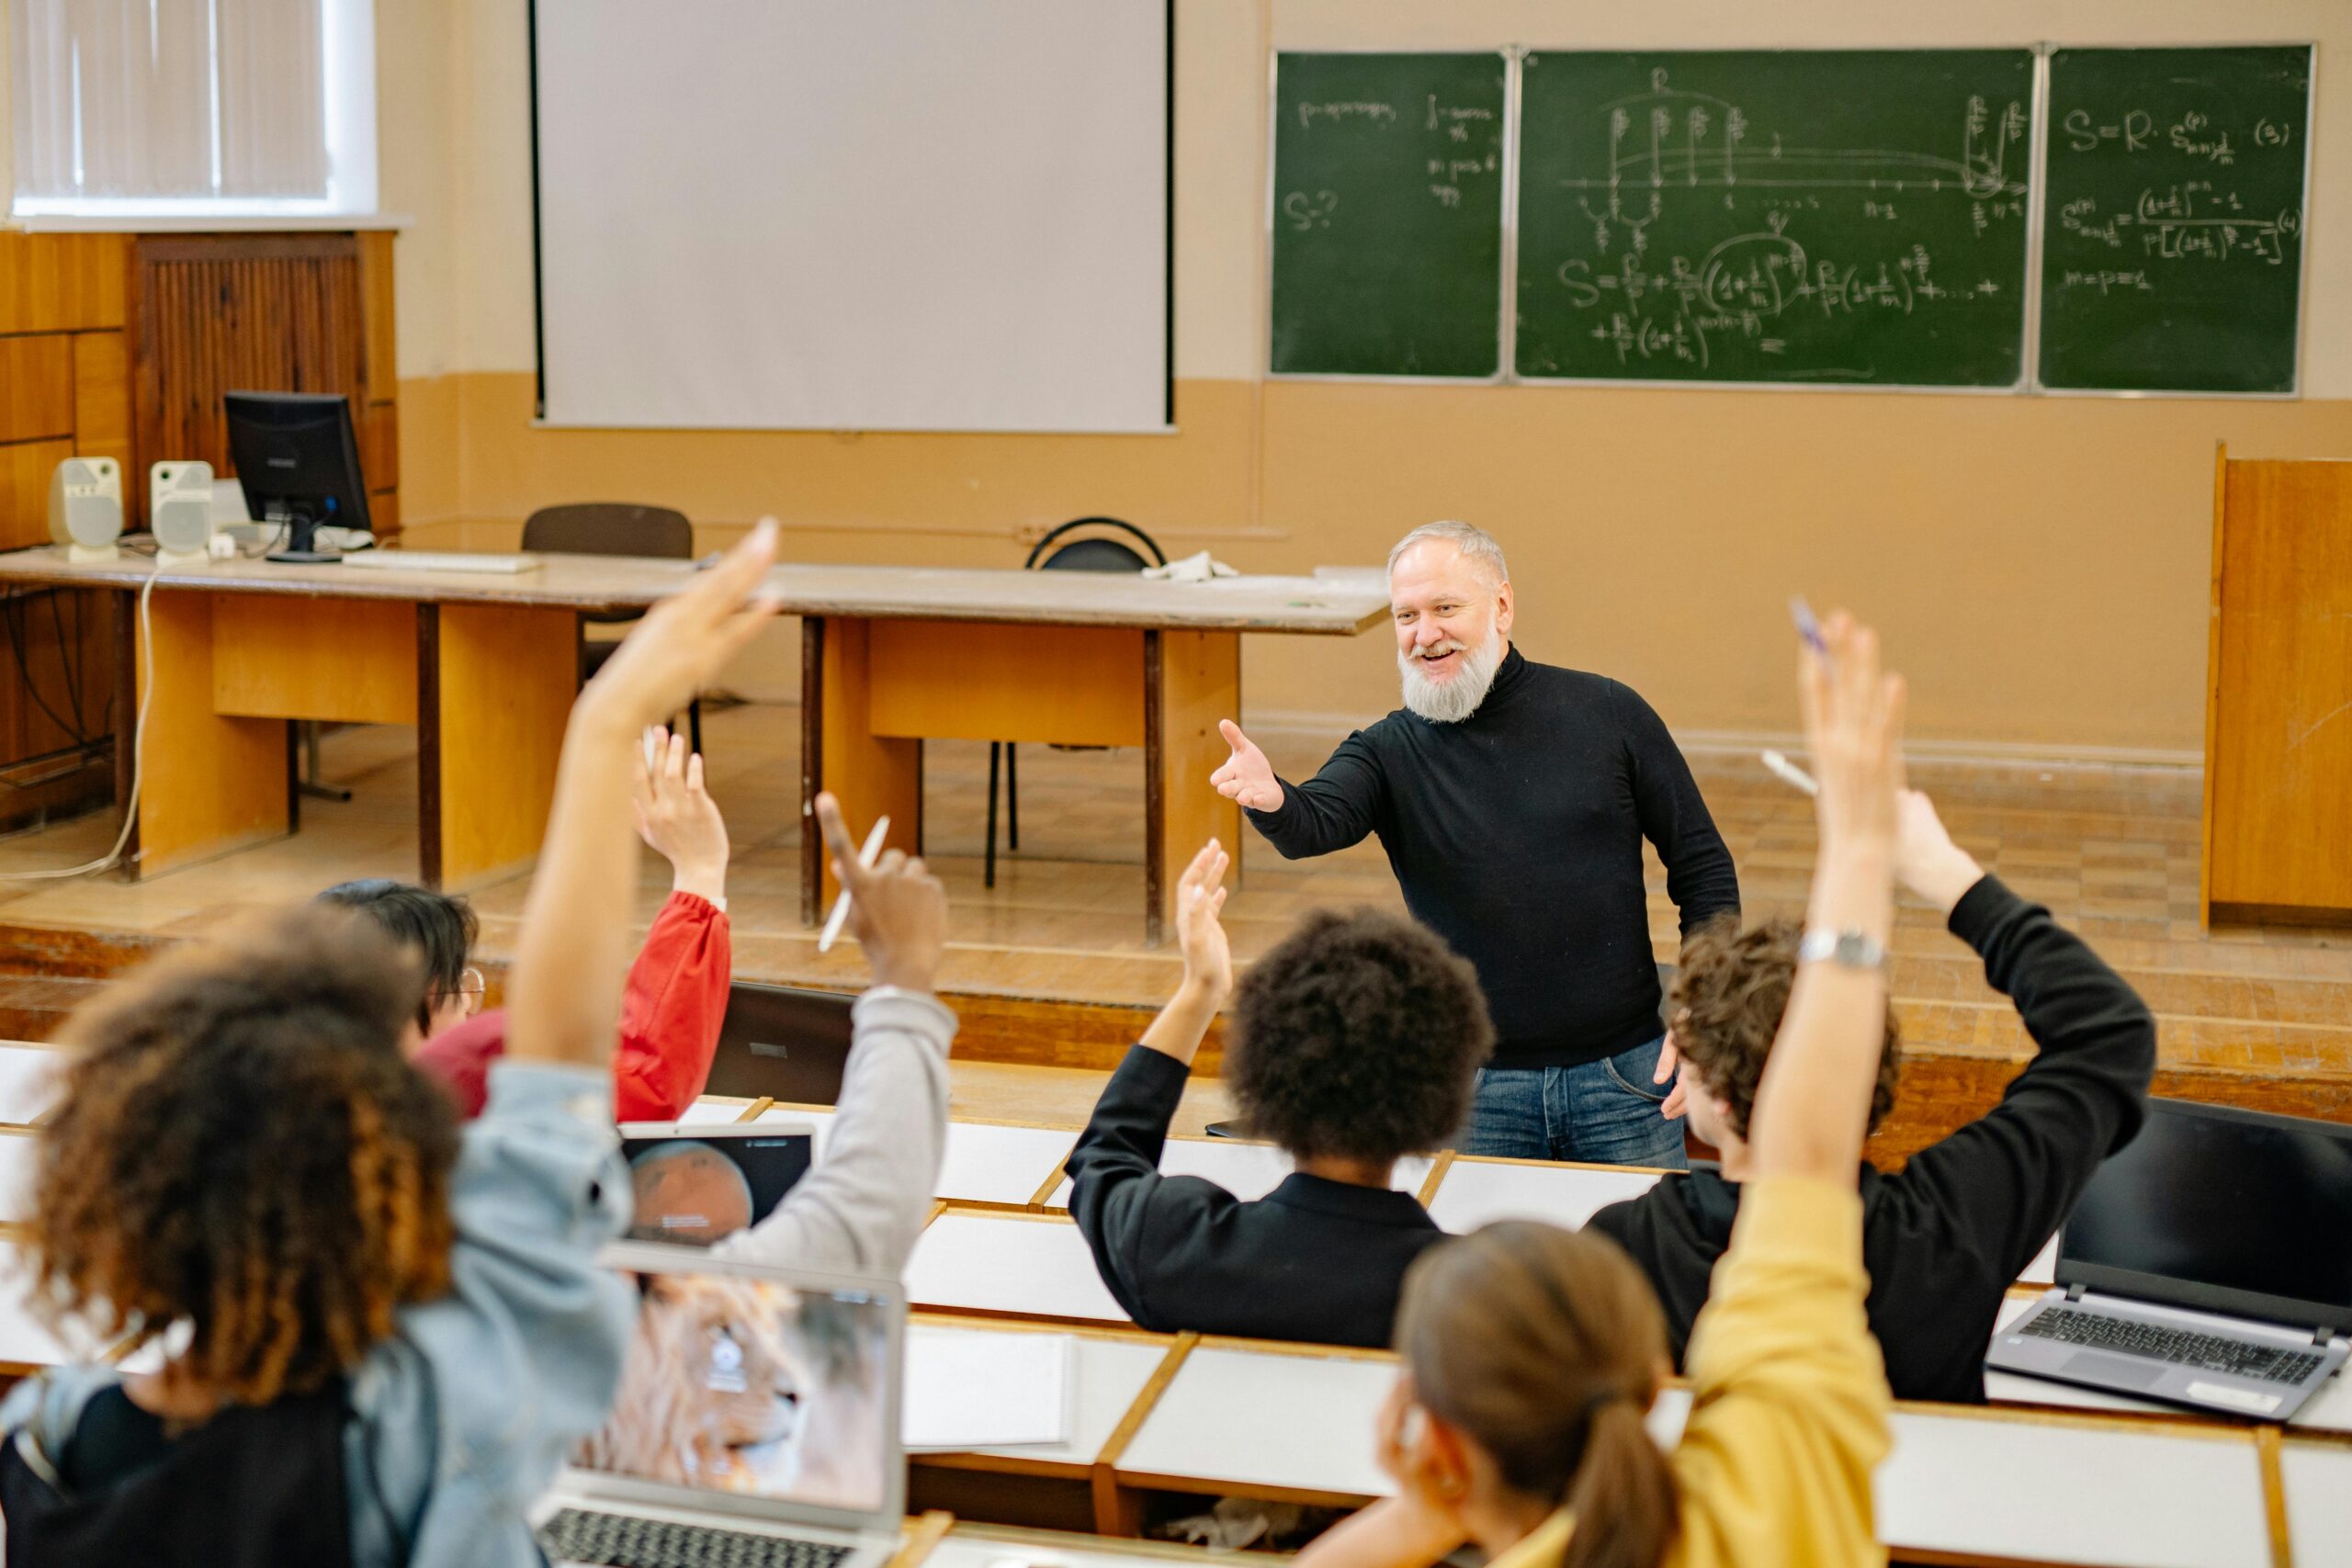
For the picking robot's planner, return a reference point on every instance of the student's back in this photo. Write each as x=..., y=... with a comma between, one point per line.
x=1354, y=1043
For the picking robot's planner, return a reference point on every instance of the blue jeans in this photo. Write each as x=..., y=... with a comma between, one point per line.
x=1603, y=1113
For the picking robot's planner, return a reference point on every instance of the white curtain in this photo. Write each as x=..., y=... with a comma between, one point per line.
x=163, y=100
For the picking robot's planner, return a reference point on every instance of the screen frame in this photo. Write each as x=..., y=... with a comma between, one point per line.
x=2327, y=1318
x=890, y=1512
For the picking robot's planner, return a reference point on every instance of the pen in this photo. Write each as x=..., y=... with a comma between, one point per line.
x=1790, y=773
x=840, y=905
x=1807, y=627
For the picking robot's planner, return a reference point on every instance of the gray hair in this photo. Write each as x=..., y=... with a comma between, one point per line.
x=1477, y=545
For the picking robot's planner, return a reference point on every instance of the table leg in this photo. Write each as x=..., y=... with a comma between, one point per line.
x=869, y=774
x=1191, y=680
x=206, y=784
x=494, y=690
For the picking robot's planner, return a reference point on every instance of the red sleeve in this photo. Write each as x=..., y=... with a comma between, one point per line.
x=461, y=1059
x=671, y=1011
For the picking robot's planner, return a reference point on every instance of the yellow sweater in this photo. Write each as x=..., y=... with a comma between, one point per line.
x=1788, y=1399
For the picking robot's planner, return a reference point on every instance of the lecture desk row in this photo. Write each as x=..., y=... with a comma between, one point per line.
x=485, y=666
x=2045, y=1476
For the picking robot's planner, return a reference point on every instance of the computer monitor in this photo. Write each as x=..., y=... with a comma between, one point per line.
x=298, y=458
x=2224, y=1210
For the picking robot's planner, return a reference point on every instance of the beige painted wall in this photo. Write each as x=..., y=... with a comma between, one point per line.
x=2041, y=563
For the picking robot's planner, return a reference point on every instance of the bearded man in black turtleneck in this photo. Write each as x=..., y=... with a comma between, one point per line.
x=1512, y=798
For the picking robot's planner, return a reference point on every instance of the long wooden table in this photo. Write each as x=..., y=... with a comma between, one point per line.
x=484, y=665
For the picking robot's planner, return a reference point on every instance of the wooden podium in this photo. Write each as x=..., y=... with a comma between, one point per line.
x=2279, y=694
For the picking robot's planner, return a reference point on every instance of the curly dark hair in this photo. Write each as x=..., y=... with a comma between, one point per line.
x=242, y=1147
x=1728, y=997
x=1357, y=1037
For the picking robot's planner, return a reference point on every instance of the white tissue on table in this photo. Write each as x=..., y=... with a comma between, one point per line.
x=1192, y=569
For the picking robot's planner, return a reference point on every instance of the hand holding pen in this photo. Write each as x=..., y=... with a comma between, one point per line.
x=897, y=910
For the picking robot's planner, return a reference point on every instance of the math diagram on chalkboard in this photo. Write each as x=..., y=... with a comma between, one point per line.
x=1834, y=217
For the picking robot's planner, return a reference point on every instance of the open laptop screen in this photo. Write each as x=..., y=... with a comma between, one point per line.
x=2235, y=1211
x=756, y=1390
x=695, y=1185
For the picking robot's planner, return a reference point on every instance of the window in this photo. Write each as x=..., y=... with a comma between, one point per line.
x=138, y=108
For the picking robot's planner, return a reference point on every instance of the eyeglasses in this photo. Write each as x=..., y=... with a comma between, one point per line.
x=474, y=986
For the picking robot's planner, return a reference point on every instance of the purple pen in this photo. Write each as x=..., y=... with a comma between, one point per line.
x=1807, y=627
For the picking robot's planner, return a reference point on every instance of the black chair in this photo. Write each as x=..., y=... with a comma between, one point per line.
x=613, y=528
x=1091, y=554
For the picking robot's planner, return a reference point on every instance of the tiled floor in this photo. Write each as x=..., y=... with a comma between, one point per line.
x=2112, y=850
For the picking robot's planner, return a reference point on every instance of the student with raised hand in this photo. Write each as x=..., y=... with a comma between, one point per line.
x=378, y=1333
x=862, y=1206
x=1531, y=1355
x=1354, y=1043
x=1945, y=1238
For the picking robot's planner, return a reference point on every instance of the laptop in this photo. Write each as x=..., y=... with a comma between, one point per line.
x=2205, y=1266
x=756, y=1424
x=781, y=1042
x=696, y=1182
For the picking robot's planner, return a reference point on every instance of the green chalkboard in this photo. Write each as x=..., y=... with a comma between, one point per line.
x=1852, y=217
x=1387, y=214
x=2172, y=251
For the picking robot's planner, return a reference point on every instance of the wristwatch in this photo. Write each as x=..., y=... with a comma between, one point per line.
x=1847, y=949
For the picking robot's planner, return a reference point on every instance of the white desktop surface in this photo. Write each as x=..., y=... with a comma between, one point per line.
x=2044, y=1491
x=708, y=1108
x=990, y=1164
x=1475, y=1193
x=2318, y=1477
x=19, y=1154
x=2329, y=1410
x=1109, y=1375
x=2044, y=1270
x=23, y=1340
x=29, y=1082
x=1249, y=1171
x=1259, y=1418
x=984, y=1548
x=1008, y=1263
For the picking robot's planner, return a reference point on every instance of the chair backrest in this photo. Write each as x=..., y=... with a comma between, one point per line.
x=1097, y=554
x=610, y=528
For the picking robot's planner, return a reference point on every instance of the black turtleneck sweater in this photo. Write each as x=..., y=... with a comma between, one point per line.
x=1517, y=837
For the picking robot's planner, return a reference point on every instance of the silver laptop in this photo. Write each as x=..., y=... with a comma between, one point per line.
x=2205, y=1266
x=698, y=1182
x=757, y=1424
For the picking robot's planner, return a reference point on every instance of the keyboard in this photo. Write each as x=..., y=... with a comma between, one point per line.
x=625, y=1540
x=441, y=560
x=2183, y=1346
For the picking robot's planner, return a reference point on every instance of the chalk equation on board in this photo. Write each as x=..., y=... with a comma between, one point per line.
x=1798, y=238
x=2185, y=219
x=1454, y=159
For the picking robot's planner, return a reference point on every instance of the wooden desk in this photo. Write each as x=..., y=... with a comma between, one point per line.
x=998, y=1165
x=1478, y=1190
x=29, y=1082
x=1247, y=1170
x=2317, y=1479
x=19, y=1157
x=1293, y=1423
x=1009, y=1265
x=987, y=1546
x=893, y=655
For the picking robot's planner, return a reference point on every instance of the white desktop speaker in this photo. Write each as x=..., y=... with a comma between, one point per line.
x=179, y=510
x=86, y=507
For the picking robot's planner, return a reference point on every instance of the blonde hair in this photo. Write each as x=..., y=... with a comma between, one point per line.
x=1477, y=545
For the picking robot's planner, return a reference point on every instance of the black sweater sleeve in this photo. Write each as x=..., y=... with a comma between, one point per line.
x=2009, y=1178
x=1139, y=1223
x=1331, y=811
x=1699, y=876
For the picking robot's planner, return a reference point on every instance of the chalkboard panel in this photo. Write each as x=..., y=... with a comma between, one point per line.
x=2173, y=220
x=1835, y=216
x=1387, y=214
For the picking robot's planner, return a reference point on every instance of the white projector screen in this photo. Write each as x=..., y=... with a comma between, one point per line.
x=853, y=214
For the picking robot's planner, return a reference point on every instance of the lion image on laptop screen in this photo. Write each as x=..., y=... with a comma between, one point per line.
x=746, y=1385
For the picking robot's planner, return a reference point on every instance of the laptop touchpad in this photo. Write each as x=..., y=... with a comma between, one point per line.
x=2118, y=1371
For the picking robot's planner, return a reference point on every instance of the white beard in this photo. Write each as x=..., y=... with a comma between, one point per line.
x=1451, y=702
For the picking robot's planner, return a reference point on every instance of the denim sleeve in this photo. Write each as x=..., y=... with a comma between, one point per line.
x=467, y=1413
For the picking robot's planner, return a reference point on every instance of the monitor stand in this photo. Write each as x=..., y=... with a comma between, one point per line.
x=301, y=541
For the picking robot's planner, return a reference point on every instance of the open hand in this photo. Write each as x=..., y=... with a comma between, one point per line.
x=1200, y=897
x=1926, y=860
x=897, y=910
x=683, y=641
x=1853, y=723
x=676, y=816
x=1246, y=777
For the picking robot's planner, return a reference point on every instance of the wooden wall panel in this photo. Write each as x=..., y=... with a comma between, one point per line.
x=36, y=387
x=2279, y=747
x=51, y=283
x=25, y=469
x=101, y=392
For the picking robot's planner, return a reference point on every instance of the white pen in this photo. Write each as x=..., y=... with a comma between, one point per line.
x=840, y=905
x=1791, y=774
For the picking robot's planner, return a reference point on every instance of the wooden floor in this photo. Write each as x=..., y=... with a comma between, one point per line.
x=2113, y=851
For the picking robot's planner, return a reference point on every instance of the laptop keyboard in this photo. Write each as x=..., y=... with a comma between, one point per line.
x=625, y=1540
x=2240, y=1357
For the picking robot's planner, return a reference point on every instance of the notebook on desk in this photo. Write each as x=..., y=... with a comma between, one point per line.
x=2205, y=1266
x=756, y=1424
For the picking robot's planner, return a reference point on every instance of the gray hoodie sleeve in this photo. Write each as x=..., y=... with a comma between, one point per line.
x=859, y=1210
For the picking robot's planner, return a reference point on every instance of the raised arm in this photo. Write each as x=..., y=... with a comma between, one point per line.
x=1331, y=811
x=675, y=1000
x=565, y=992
